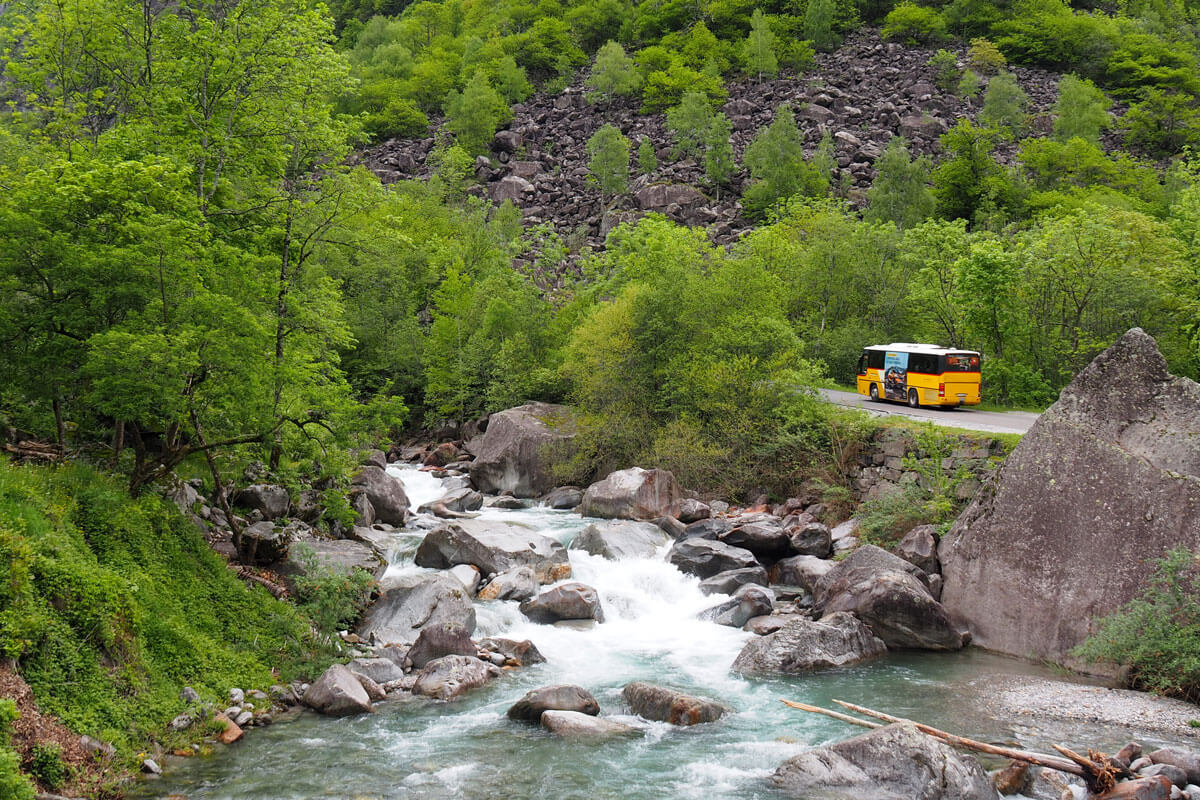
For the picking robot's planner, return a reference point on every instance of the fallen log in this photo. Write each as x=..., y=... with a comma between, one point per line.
x=1100, y=774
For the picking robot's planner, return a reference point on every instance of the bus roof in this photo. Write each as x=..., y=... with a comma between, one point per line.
x=915, y=347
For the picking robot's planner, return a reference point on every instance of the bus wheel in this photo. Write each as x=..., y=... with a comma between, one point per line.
x=913, y=400
x=875, y=392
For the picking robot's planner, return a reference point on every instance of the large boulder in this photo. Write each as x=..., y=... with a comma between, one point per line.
x=340, y=555
x=576, y=725
x=667, y=705
x=705, y=558
x=450, y=677
x=515, y=453
x=264, y=543
x=747, y=602
x=561, y=697
x=441, y=639
x=862, y=563
x=1106, y=481
x=803, y=644
x=802, y=571
x=620, y=539
x=518, y=583
x=380, y=670
x=337, y=693
x=730, y=581
x=896, y=762
x=568, y=601
x=919, y=547
x=633, y=493
x=414, y=601
x=270, y=500
x=493, y=547
x=385, y=493
x=764, y=539
x=899, y=609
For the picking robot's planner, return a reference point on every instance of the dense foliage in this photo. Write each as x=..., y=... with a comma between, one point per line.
x=1157, y=636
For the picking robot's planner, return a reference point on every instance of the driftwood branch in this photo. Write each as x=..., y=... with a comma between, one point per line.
x=1098, y=771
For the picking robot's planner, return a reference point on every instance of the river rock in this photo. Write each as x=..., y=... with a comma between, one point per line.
x=381, y=670
x=562, y=697
x=457, y=501
x=1104, y=483
x=899, y=609
x=704, y=558
x=375, y=692
x=730, y=581
x=514, y=454
x=450, y=677
x=667, y=705
x=711, y=528
x=747, y=602
x=919, y=547
x=896, y=762
x=493, y=547
x=519, y=583
x=264, y=543
x=763, y=539
x=412, y=602
x=574, y=725
x=691, y=510
x=1157, y=787
x=568, y=601
x=386, y=494
x=564, y=498
x=440, y=639
x=865, y=561
x=634, y=493
x=802, y=571
x=812, y=539
x=517, y=653
x=1186, y=760
x=337, y=693
x=620, y=539
x=803, y=644
x=468, y=575
x=268, y=498
x=845, y=536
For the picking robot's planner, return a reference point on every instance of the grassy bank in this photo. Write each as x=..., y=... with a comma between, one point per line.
x=110, y=605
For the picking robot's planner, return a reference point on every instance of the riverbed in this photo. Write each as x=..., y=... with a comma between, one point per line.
x=418, y=748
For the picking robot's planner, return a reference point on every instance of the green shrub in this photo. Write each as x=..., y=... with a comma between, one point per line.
x=13, y=785
x=47, y=765
x=945, y=68
x=1157, y=636
x=914, y=24
x=985, y=58
x=331, y=597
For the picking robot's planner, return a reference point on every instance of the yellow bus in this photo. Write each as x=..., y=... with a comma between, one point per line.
x=920, y=374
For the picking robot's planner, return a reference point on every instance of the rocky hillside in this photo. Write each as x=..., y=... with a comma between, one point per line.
x=864, y=93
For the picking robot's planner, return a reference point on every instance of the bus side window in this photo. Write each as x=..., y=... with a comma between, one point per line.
x=875, y=359
x=862, y=364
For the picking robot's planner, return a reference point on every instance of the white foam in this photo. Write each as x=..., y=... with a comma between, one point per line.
x=421, y=487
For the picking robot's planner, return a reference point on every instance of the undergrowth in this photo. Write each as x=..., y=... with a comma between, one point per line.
x=1157, y=635
x=110, y=605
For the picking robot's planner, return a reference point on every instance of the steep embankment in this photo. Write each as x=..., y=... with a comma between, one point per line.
x=863, y=94
x=110, y=605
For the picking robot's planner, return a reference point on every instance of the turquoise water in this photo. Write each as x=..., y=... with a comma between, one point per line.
x=417, y=748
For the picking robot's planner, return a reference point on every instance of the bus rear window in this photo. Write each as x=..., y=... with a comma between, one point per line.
x=962, y=362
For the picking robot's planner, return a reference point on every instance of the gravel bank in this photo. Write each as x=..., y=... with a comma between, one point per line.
x=1137, y=713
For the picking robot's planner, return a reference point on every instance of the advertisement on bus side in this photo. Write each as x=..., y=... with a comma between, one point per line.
x=895, y=376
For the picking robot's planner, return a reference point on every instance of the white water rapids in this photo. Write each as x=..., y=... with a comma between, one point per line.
x=416, y=748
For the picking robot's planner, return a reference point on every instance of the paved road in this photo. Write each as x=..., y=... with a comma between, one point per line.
x=962, y=417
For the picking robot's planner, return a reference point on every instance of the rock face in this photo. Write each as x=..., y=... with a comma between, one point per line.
x=896, y=762
x=385, y=493
x=668, y=705
x=633, y=493
x=493, y=547
x=1106, y=481
x=617, y=539
x=337, y=693
x=415, y=601
x=569, y=601
x=563, y=697
x=802, y=644
x=515, y=453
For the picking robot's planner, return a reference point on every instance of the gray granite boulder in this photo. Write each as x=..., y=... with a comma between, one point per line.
x=803, y=644
x=667, y=705
x=337, y=693
x=493, y=547
x=518, y=583
x=561, y=697
x=386, y=494
x=567, y=601
x=802, y=571
x=440, y=639
x=763, y=539
x=634, y=493
x=413, y=602
x=730, y=581
x=747, y=602
x=450, y=677
x=896, y=762
x=1104, y=483
x=919, y=547
x=705, y=558
x=620, y=539
x=516, y=451
x=270, y=499
x=574, y=725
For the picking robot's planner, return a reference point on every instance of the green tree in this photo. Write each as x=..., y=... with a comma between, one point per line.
x=1005, y=104
x=1081, y=110
x=690, y=123
x=613, y=74
x=970, y=184
x=900, y=192
x=647, y=158
x=945, y=68
x=819, y=18
x=1162, y=123
x=775, y=160
x=474, y=114
x=914, y=24
x=931, y=253
x=758, y=52
x=718, y=153
x=608, y=160
x=969, y=85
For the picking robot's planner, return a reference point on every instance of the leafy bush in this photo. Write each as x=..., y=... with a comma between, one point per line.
x=331, y=597
x=985, y=58
x=914, y=24
x=47, y=765
x=1157, y=636
x=13, y=784
x=945, y=68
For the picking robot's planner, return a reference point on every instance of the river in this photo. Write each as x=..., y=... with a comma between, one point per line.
x=417, y=748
